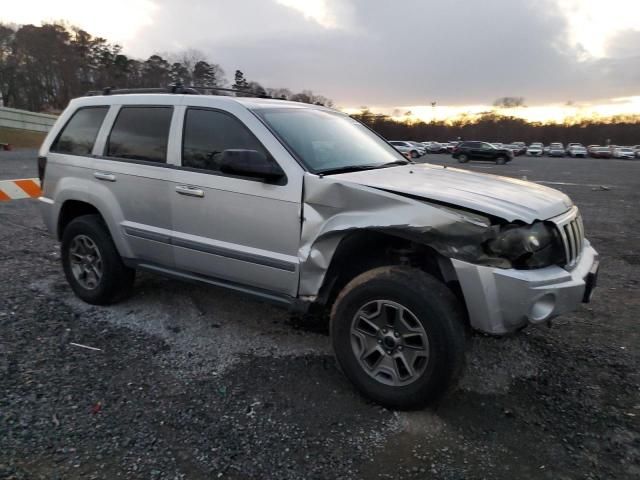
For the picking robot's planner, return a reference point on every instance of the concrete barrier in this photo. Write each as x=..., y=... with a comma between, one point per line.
x=25, y=120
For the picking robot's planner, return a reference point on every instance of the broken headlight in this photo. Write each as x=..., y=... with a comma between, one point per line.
x=527, y=246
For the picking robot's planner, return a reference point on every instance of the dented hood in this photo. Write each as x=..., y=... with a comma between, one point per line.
x=502, y=197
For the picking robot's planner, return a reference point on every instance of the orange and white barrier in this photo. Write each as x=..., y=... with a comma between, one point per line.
x=16, y=189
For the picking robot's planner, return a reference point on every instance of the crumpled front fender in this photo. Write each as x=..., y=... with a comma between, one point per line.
x=334, y=208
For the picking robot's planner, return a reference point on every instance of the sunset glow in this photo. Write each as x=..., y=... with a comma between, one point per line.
x=538, y=113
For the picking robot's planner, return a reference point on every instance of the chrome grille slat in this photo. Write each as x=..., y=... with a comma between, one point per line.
x=571, y=230
x=576, y=239
x=572, y=237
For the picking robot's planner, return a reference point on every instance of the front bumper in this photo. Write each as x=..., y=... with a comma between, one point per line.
x=500, y=301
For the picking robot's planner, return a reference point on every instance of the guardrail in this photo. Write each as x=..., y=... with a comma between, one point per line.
x=25, y=120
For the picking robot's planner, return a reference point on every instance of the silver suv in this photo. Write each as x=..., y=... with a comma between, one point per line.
x=305, y=207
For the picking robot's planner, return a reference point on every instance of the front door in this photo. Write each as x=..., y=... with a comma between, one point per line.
x=235, y=229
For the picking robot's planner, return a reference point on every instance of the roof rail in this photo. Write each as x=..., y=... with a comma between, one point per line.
x=176, y=88
x=233, y=90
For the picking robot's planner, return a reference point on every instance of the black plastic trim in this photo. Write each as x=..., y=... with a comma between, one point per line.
x=234, y=254
x=261, y=294
x=147, y=235
x=220, y=251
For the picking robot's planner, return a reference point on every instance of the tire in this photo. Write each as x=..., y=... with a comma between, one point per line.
x=431, y=306
x=414, y=154
x=462, y=158
x=116, y=279
x=501, y=160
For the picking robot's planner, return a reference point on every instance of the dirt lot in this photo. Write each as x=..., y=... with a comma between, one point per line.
x=193, y=382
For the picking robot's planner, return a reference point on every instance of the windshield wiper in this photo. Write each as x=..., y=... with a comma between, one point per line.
x=357, y=168
x=347, y=169
x=394, y=163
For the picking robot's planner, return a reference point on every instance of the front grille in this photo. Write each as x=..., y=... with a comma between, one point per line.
x=571, y=232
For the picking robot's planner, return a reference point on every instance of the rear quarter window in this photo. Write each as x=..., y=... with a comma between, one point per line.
x=79, y=134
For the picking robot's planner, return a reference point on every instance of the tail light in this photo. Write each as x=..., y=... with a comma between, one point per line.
x=42, y=165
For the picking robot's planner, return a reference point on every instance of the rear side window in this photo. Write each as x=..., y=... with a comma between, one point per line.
x=140, y=133
x=208, y=133
x=79, y=134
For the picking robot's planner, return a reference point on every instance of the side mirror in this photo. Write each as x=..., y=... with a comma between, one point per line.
x=250, y=163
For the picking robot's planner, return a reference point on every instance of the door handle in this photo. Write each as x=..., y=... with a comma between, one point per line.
x=108, y=177
x=190, y=191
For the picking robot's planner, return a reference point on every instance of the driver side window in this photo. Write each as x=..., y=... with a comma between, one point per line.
x=208, y=133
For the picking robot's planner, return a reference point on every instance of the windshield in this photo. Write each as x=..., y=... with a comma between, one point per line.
x=326, y=141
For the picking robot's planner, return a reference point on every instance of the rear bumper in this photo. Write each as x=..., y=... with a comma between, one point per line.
x=500, y=301
x=49, y=212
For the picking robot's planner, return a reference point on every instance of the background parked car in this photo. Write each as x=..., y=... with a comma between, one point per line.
x=625, y=153
x=522, y=147
x=422, y=150
x=577, y=150
x=466, y=151
x=569, y=145
x=600, y=152
x=436, y=147
x=636, y=148
x=535, y=150
x=515, y=149
x=556, y=150
x=447, y=147
x=407, y=148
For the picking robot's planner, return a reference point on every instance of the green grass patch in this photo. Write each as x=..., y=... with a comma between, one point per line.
x=21, y=138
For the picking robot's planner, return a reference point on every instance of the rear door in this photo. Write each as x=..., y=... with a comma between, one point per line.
x=131, y=179
x=239, y=230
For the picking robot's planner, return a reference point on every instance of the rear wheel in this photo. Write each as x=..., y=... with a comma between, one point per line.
x=398, y=334
x=414, y=154
x=501, y=160
x=462, y=158
x=92, y=264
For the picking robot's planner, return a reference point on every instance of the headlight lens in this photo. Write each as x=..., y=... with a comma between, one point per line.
x=528, y=246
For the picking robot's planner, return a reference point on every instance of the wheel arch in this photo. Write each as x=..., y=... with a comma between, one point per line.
x=364, y=249
x=72, y=209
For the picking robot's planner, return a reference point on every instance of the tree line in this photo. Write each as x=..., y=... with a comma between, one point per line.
x=43, y=67
x=494, y=127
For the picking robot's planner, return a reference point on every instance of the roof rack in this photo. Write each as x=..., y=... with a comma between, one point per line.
x=176, y=88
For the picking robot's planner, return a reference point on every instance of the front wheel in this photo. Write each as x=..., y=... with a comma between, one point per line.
x=462, y=158
x=398, y=334
x=501, y=160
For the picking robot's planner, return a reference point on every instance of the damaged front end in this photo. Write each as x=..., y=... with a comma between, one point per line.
x=334, y=208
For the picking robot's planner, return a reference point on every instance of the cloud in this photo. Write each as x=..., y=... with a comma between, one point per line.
x=410, y=52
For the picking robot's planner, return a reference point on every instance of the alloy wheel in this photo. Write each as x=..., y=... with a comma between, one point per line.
x=389, y=343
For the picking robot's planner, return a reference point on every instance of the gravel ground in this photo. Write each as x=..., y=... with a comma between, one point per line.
x=194, y=382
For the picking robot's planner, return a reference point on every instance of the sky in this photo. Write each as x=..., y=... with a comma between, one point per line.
x=565, y=57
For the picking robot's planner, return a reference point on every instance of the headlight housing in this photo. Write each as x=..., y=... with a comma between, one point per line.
x=527, y=246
